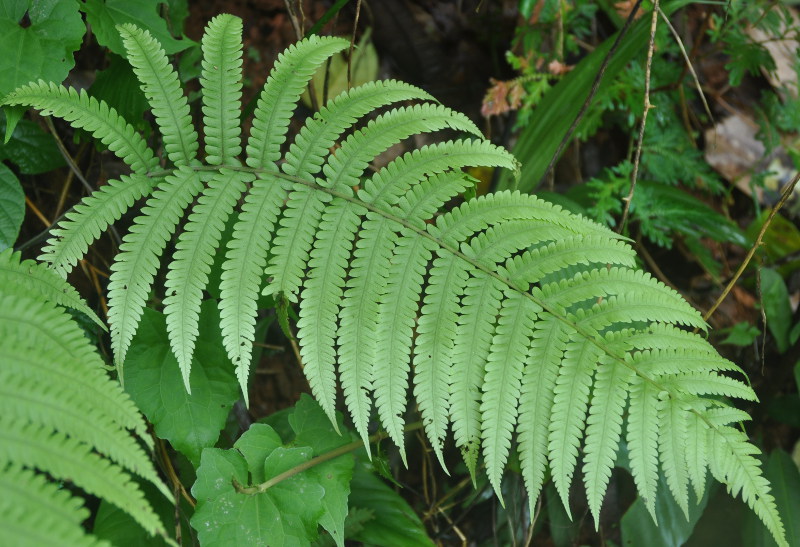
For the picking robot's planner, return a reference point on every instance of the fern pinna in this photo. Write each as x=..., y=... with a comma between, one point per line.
x=514, y=315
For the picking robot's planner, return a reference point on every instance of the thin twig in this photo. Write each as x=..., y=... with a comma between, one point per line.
x=297, y=26
x=172, y=475
x=66, y=156
x=593, y=91
x=37, y=212
x=298, y=30
x=787, y=193
x=352, y=45
x=688, y=63
x=78, y=174
x=647, y=106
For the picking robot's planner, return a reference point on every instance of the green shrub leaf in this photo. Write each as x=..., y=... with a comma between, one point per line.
x=193, y=421
x=46, y=45
x=105, y=15
x=12, y=207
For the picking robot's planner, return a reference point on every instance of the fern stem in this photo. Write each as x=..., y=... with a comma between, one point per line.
x=313, y=462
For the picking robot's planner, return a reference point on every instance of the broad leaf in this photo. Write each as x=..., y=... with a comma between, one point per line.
x=285, y=514
x=313, y=428
x=324, y=487
x=12, y=207
x=395, y=524
x=117, y=85
x=672, y=528
x=105, y=15
x=777, y=308
x=30, y=148
x=38, y=39
x=153, y=379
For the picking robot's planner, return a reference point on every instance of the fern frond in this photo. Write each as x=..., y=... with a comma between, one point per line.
x=566, y=250
x=347, y=164
x=88, y=219
x=317, y=325
x=397, y=311
x=433, y=348
x=162, y=88
x=61, y=415
x=85, y=112
x=669, y=360
x=696, y=452
x=136, y=264
x=306, y=154
x=276, y=102
x=622, y=290
x=407, y=173
x=40, y=327
x=221, y=83
x=188, y=272
x=707, y=383
x=332, y=249
x=66, y=459
x=34, y=511
x=26, y=277
x=64, y=407
x=515, y=313
x=480, y=305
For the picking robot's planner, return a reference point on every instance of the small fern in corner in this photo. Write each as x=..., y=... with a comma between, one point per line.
x=60, y=415
x=509, y=316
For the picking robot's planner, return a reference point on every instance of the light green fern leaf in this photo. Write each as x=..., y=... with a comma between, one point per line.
x=642, y=440
x=243, y=268
x=61, y=416
x=696, y=451
x=27, y=395
x=549, y=339
x=568, y=414
x=35, y=511
x=162, y=88
x=88, y=219
x=188, y=272
x=732, y=462
x=86, y=112
x=502, y=381
x=221, y=81
x=604, y=429
x=136, y=265
x=66, y=459
x=26, y=277
x=276, y=102
x=671, y=439
x=34, y=325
